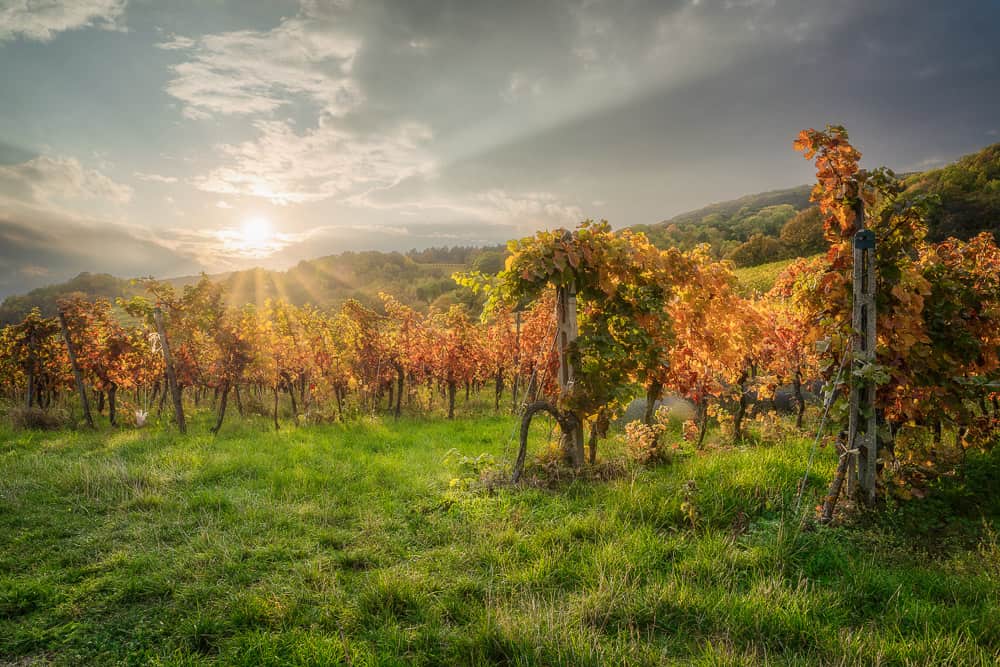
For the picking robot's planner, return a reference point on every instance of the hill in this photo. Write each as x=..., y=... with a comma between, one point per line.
x=969, y=193
x=94, y=285
x=417, y=278
x=736, y=209
x=728, y=225
x=759, y=228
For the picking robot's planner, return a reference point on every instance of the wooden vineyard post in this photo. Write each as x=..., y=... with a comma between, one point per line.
x=567, y=331
x=175, y=391
x=862, y=424
x=77, y=375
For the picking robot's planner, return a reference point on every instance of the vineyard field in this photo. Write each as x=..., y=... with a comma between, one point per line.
x=760, y=278
x=363, y=543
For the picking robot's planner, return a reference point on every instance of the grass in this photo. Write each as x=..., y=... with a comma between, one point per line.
x=760, y=278
x=350, y=544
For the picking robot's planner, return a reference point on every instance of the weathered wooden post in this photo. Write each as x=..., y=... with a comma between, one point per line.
x=77, y=375
x=567, y=331
x=175, y=391
x=862, y=424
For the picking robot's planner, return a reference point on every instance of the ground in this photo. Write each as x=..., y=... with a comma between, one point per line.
x=367, y=543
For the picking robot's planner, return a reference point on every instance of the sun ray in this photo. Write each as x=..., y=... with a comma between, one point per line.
x=309, y=287
x=258, y=288
x=278, y=281
x=237, y=294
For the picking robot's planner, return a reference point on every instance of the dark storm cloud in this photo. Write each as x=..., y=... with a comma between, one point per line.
x=654, y=107
x=911, y=83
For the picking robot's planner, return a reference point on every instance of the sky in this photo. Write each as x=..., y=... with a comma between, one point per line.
x=167, y=137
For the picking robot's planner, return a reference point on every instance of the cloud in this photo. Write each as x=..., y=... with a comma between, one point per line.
x=932, y=162
x=228, y=247
x=368, y=95
x=528, y=209
x=252, y=72
x=327, y=161
x=508, y=212
x=53, y=226
x=41, y=21
x=40, y=247
x=154, y=178
x=177, y=43
x=34, y=271
x=50, y=180
x=477, y=120
x=522, y=85
x=305, y=63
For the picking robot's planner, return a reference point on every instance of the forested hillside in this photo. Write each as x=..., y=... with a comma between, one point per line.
x=771, y=226
x=93, y=285
x=417, y=278
x=969, y=193
x=727, y=225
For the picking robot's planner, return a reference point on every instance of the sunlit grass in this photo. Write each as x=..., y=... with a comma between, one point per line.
x=348, y=543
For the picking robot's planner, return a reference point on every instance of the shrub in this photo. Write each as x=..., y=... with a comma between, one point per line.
x=691, y=430
x=643, y=441
x=37, y=419
x=254, y=405
x=645, y=444
x=774, y=428
x=475, y=472
x=320, y=414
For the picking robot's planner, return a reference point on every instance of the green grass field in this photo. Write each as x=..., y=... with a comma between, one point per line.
x=350, y=544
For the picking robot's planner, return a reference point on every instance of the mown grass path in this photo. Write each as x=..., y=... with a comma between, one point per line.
x=348, y=545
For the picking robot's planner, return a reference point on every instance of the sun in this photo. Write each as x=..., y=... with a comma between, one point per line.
x=255, y=237
x=256, y=233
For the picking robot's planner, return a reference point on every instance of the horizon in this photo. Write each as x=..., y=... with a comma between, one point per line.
x=338, y=252
x=169, y=141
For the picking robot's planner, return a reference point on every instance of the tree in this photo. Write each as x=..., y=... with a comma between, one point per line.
x=234, y=356
x=331, y=360
x=32, y=355
x=758, y=249
x=455, y=350
x=366, y=336
x=936, y=305
x=499, y=349
x=793, y=328
x=105, y=350
x=717, y=334
x=803, y=234
x=405, y=350
x=619, y=282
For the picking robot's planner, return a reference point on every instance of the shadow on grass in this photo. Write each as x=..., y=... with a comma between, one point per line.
x=953, y=513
